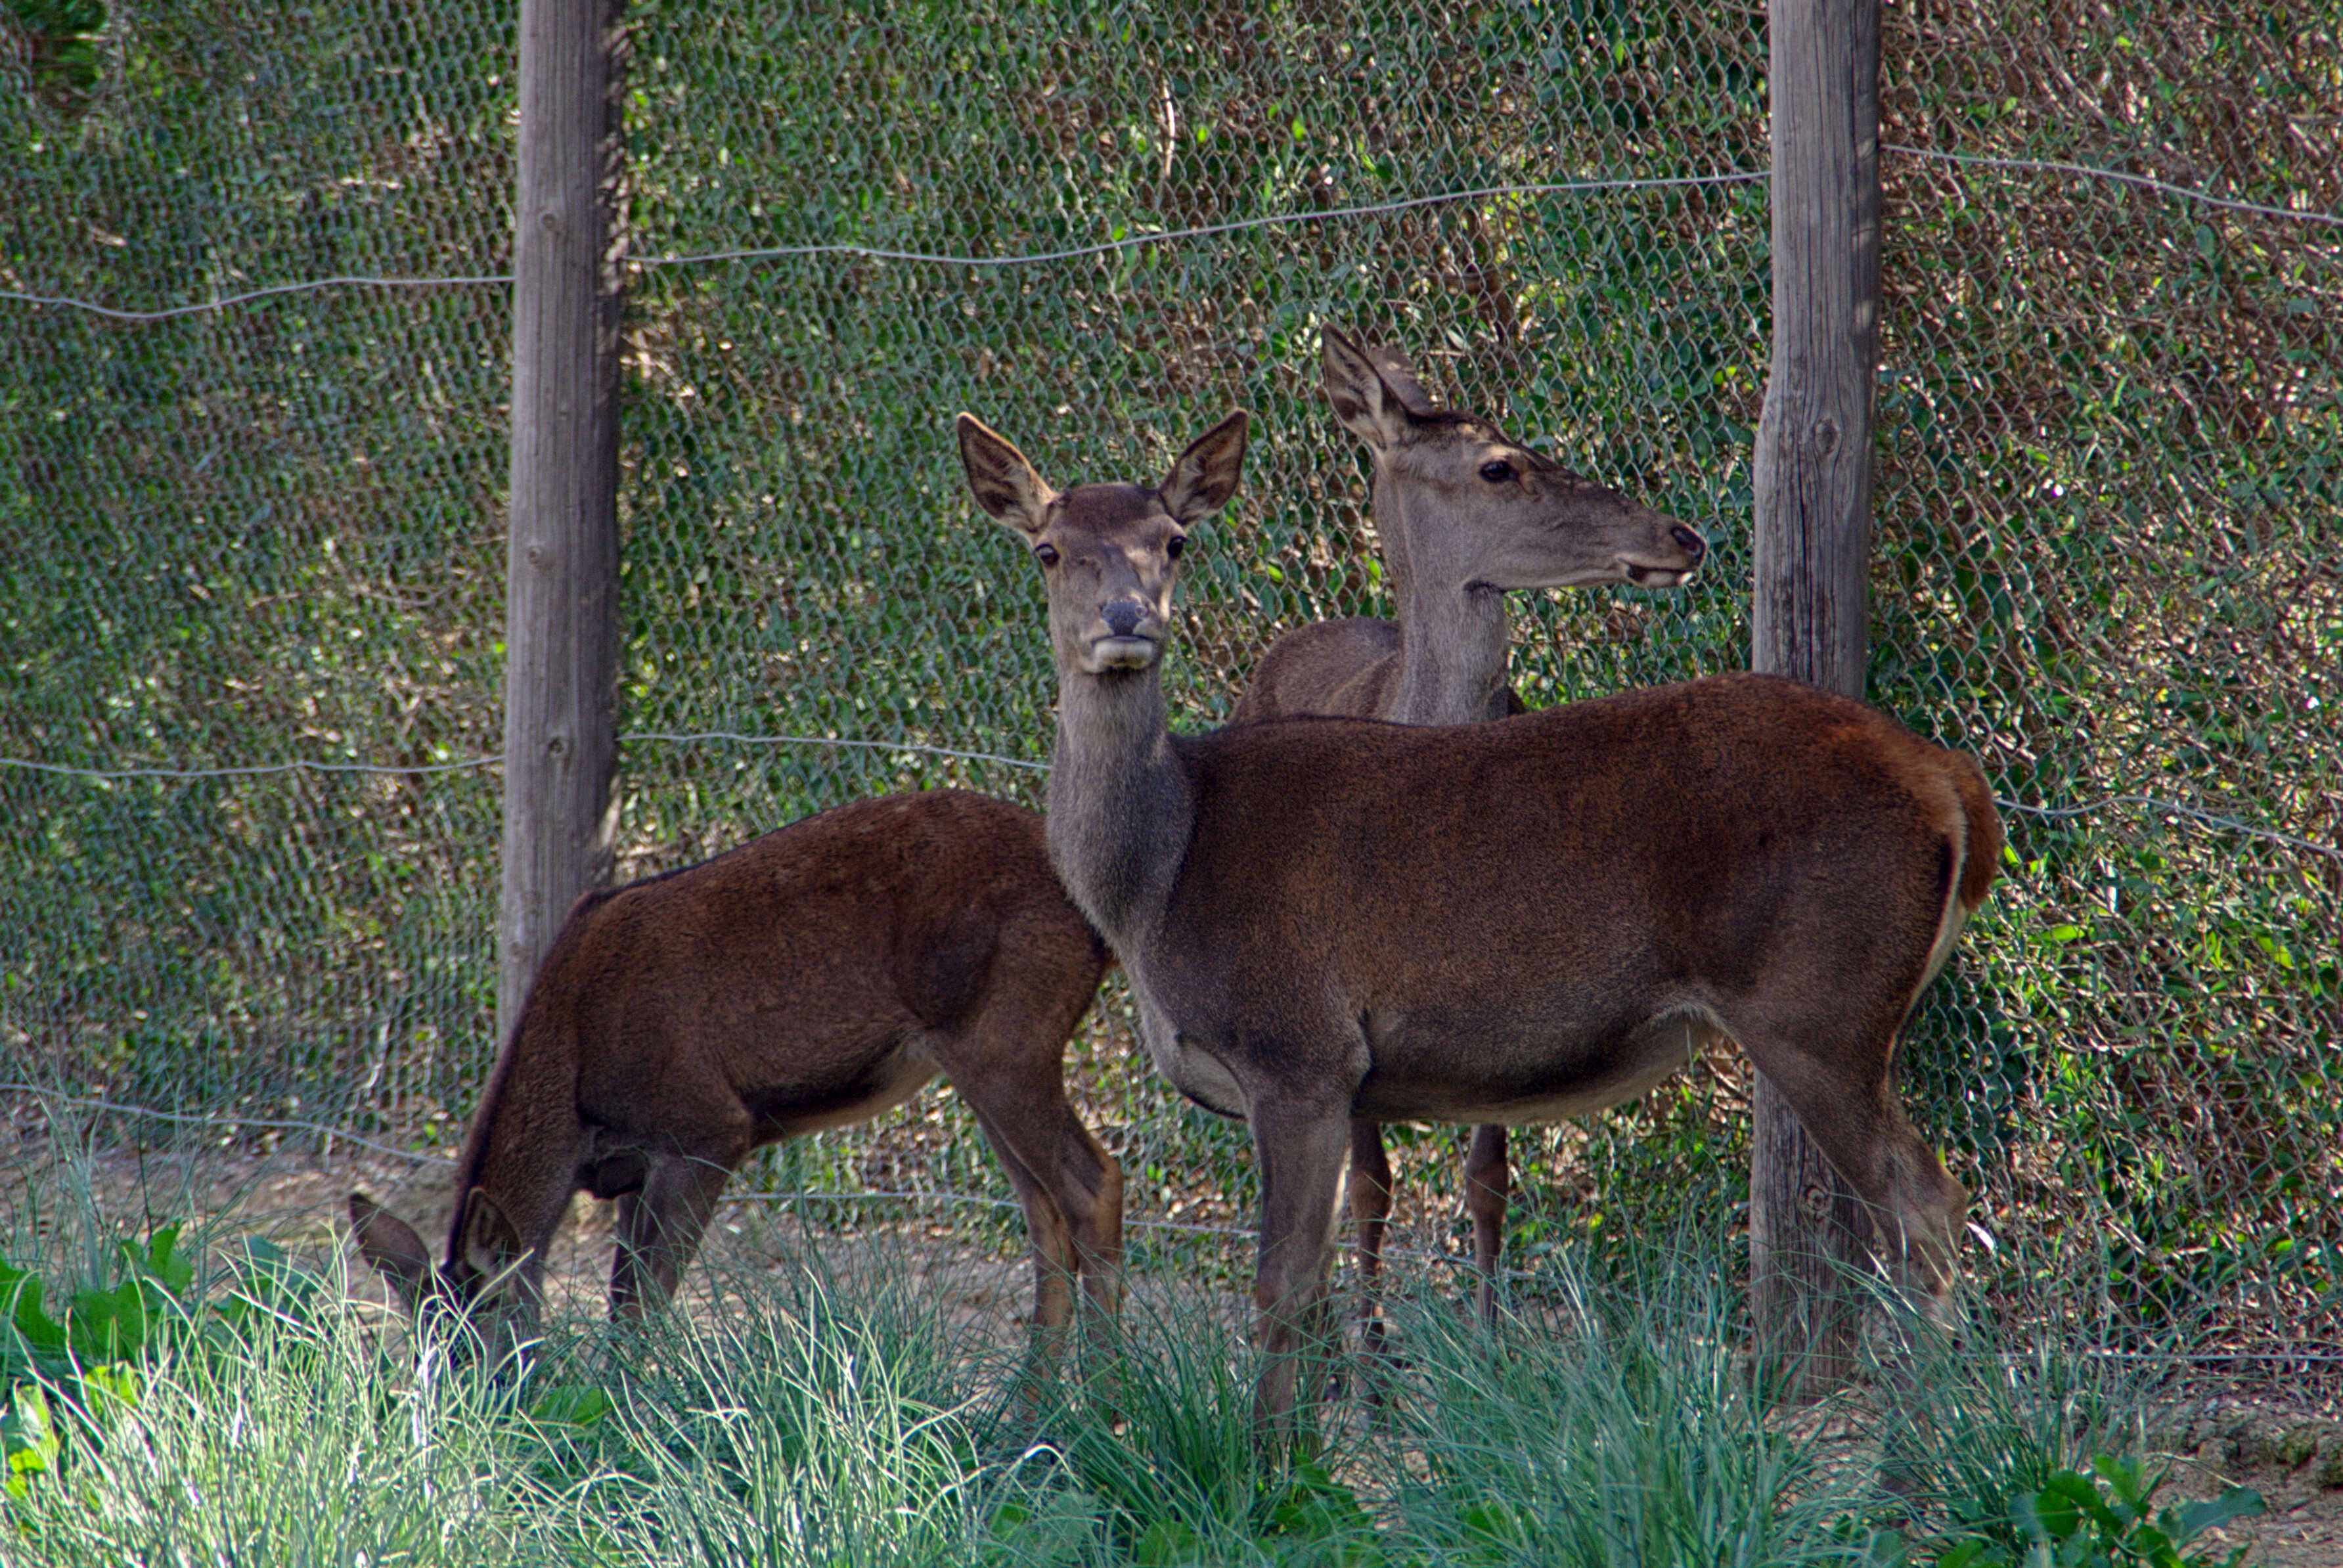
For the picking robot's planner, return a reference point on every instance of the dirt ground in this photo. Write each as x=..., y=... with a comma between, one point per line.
x=2285, y=1442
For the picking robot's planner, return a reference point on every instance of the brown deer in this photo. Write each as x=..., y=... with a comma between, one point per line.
x=1464, y=514
x=1330, y=920
x=811, y=978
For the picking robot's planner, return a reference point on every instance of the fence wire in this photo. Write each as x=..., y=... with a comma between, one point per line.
x=253, y=515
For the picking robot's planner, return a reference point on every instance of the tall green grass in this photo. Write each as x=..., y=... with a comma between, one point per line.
x=295, y=1444
x=1620, y=1427
x=801, y=1416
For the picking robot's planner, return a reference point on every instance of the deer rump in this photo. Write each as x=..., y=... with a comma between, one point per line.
x=815, y=976
x=1516, y=915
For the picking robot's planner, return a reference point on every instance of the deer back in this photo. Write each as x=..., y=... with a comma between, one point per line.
x=1478, y=893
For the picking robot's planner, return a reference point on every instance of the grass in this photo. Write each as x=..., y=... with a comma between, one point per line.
x=823, y=1419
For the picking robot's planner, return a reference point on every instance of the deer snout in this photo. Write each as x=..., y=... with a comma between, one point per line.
x=1685, y=543
x=1122, y=637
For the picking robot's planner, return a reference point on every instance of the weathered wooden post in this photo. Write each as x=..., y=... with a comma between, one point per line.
x=1809, y=617
x=561, y=564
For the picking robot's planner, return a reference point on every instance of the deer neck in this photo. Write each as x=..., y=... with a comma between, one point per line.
x=1121, y=808
x=1452, y=632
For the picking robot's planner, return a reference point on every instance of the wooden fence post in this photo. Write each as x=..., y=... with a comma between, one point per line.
x=1809, y=616
x=561, y=564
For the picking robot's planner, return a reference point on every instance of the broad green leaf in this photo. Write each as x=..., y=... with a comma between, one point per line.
x=174, y=1273
x=28, y=1437
x=21, y=1291
x=2049, y=1514
x=572, y=1405
x=2187, y=1521
x=108, y=1325
x=2130, y=1483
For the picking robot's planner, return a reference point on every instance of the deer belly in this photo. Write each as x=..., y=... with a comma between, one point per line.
x=1509, y=1086
x=880, y=1087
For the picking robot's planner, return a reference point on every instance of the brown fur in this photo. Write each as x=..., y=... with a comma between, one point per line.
x=810, y=979
x=1453, y=542
x=1328, y=919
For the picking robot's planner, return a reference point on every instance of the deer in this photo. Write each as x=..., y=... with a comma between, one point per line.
x=1464, y=513
x=813, y=977
x=1326, y=920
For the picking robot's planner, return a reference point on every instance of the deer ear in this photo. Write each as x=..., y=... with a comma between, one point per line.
x=1006, y=483
x=1205, y=475
x=1374, y=390
x=390, y=1244
x=486, y=1239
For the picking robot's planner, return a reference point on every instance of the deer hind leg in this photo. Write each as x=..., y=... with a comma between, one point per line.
x=1838, y=1084
x=1008, y=1062
x=1071, y=1186
x=1488, y=1187
x=1369, y=1191
x=659, y=1227
x=1055, y=1260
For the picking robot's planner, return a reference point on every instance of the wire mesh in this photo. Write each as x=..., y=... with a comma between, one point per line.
x=2110, y=462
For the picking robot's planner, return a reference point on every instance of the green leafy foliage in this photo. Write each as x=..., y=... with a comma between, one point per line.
x=2103, y=1520
x=90, y=1355
x=28, y=1437
x=101, y=1324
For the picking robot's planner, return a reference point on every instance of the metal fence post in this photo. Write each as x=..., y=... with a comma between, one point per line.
x=1813, y=502
x=562, y=592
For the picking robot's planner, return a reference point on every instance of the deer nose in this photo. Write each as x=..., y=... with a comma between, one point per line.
x=1693, y=545
x=1122, y=615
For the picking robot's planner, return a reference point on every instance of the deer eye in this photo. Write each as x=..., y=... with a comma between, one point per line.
x=1497, y=473
x=1179, y=542
x=1046, y=554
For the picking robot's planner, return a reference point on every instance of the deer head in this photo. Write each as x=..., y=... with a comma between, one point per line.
x=1461, y=506
x=1109, y=553
x=484, y=1286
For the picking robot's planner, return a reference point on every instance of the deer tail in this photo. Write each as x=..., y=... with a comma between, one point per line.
x=1981, y=857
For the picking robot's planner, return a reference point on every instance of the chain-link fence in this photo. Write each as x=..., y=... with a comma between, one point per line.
x=252, y=516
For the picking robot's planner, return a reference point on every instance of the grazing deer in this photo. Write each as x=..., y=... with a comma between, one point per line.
x=1328, y=919
x=811, y=978
x=1464, y=514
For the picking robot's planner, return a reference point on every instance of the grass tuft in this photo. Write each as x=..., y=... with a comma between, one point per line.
x=810, y=1418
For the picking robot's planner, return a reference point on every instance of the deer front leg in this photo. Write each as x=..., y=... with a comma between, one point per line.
x=660, y=1227
x=1370, y=1189
x=1488, y=1187
x=1301, y=1153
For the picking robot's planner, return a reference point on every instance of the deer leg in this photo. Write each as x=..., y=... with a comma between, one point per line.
x=1300, y=1156
x=659, y=1227
x=1838, y=1084
x=1086, y=1183
x=1096, y=1176
x=1843, y=1100
x=1009, y=1068
x=1055, y=1261
x=1488, y=1185
x=1370, y=1188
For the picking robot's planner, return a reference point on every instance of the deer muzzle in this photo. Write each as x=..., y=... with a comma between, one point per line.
x=1126, y=636
x=1121, y=653
x=1668, y=574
